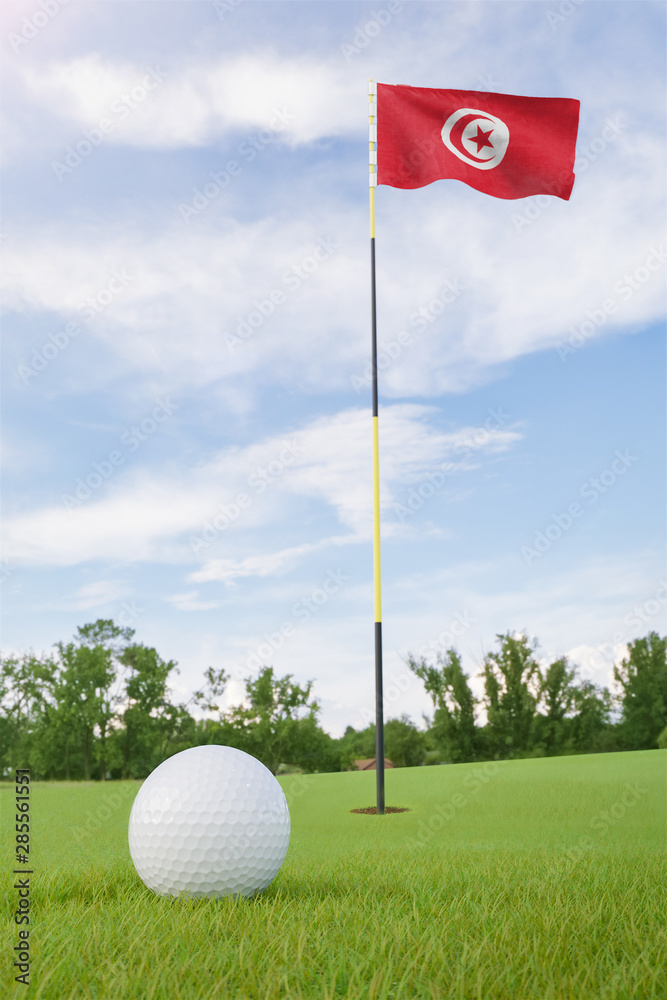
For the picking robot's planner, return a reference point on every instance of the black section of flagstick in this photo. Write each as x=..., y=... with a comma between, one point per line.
x=379, y=711
x=379, y=722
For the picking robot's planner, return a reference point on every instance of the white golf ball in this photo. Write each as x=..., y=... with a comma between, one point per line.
x=209, y=821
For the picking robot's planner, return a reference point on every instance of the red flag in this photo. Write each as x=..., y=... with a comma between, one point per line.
x=505, y=146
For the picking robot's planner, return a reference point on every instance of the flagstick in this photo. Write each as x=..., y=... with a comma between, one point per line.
x=379, y=711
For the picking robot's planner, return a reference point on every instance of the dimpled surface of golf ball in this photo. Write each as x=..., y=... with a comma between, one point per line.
x=209, y=821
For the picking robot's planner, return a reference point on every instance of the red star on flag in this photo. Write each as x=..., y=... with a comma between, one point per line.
x=482, y=138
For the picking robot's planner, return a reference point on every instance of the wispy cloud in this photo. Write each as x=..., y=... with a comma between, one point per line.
x=142, y=517
x=95, y=595
x=190, y=602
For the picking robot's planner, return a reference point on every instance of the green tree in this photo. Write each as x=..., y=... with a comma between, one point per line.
x=25, y=682
x=179, y=731
x=88, y=671
x=271, y=726
x=510, y=678
x=148, y=718
x=209, y=696
x=404, y=742
x=356, y=744
x=642, y=676
x=104, y=632
x=50, y=754
x=210, y=730
x=454, y=730
x=552, y=727
x=316, y=750
x=591, y=729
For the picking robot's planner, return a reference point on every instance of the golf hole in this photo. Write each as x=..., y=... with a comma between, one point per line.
x=372, y=810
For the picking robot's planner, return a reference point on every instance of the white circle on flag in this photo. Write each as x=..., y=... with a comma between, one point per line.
x=476, y=137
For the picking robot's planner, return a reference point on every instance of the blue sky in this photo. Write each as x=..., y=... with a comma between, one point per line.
x=186, y=341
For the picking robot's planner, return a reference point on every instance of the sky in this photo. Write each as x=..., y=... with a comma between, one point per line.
x=186, y=343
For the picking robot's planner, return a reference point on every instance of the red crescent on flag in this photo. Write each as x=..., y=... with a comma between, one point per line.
x=457, y=132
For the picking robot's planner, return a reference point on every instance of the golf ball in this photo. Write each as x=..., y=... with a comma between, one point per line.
x=209, y=821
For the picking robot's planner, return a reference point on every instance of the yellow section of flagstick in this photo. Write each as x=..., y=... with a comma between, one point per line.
x=376, y=520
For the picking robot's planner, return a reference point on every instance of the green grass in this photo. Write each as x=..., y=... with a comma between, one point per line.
x=538, y=879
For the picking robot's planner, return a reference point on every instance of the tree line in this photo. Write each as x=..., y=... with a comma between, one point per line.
x=99, y=707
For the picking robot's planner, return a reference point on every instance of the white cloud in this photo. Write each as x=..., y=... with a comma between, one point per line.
x=474, y=282
x=595, y=663
x=190, y=602
x=266, y=564
x=162, y=107
x=146, y=516
x=128, y=524
x=339, y=456
x=95, y=595
x=200, y=100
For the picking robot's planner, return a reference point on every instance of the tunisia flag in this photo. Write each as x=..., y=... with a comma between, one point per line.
x=505, y=146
